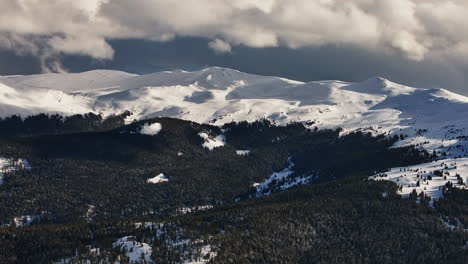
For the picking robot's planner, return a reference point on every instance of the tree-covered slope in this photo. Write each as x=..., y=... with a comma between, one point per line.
x=176, y=191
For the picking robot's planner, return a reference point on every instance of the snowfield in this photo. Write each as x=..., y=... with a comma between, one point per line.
x=10, y=165
x=25, y=220
x=137, y=252
x=188, y=210
x=151, y=129
x=192, y=251
x=429, y=178
x=282, y=180
x=243, y=152
x=263, y=188
x=212, y=143
x=158, y=179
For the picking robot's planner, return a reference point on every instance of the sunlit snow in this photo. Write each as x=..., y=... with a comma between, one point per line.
x=135, y=251
x=25, y=220
x=429, y=178
x=212, y=143
x=10, y=165
x=158, y=179
x=151, y=129
x=243, y=152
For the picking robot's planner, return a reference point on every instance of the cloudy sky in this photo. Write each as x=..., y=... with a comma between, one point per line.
x=417, y=42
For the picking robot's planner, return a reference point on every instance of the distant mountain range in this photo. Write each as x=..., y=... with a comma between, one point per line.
x=434, y=119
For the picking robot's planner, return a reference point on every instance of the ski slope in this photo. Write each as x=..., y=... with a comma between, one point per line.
x=433, y=119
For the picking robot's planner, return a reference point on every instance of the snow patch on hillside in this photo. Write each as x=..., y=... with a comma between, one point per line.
x=243, y=152
x=274, y=181
x=207, y=254
x=151, y=129
x=283, y=180
x=453, y=223
x=188, y=210
x=137, y=252
x=192, y=251
x=90, y=213
x=168, y=236
x=25, y=220
x=429, y=178
x=212, y=143
x=11, y=165
x=264, y=188
x=158, y=179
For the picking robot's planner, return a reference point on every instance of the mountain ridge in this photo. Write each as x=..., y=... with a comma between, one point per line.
x=219, y=95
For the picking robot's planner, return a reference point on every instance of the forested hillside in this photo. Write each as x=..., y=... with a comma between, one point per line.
x=165, y=190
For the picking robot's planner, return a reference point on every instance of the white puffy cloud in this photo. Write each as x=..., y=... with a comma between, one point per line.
x=414, y=28
x=220, y=46
x=92, y=46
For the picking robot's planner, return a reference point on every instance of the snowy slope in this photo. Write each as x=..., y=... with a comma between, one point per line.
x=68, y=82
x=136, y=252
x=435, y=119
x=424, y=177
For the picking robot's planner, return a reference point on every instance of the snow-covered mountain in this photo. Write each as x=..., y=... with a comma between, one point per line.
x=434, y=118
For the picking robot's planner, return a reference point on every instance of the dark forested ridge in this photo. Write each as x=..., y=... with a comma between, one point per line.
x=47, y=124
x=85, y=186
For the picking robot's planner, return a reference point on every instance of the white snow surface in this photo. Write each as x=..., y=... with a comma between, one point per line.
x=282, y=180
x=279, y=181
x=9, y=165
x=429, y=183
x=243, y=152
x=193, y=251
x=263, y=188
x=158, y=179
x=151, y=129
x=25, y=220
x=137, y=252
x=188, y=210
x=213, y=142
x=205, y=250
x=433, y=119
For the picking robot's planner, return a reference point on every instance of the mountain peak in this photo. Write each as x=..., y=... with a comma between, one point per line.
x=380, y=85
x=217, y=68
x=377, y=81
